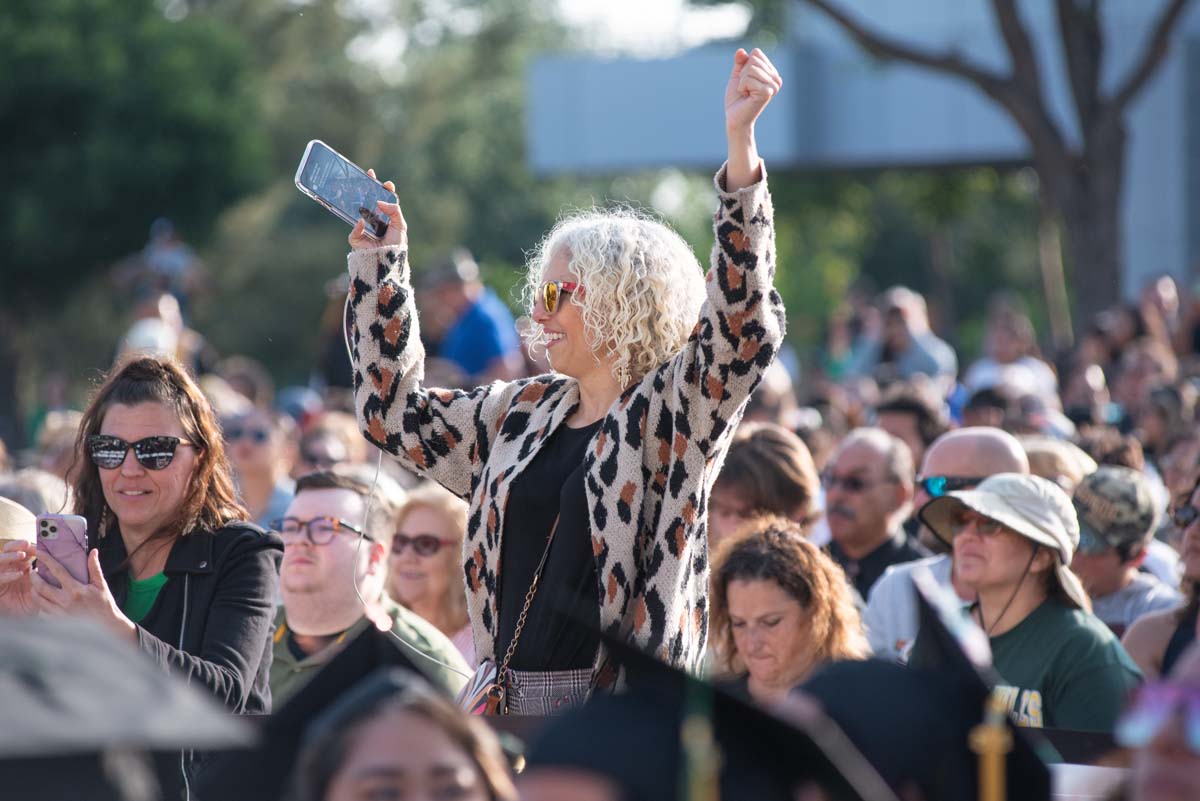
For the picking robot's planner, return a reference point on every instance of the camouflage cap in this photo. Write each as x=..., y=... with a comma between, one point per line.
x=1115, y=507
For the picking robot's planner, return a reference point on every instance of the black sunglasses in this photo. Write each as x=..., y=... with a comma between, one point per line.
x=152, y=453
x=937, y=486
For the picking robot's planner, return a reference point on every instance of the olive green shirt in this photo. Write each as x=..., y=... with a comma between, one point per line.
x=289, y=673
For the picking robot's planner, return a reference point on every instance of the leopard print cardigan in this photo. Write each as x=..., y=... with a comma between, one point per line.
x=650, y=466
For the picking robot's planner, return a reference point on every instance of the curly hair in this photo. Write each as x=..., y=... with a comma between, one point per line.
x=775, y=549
x=211, y=501
x=644, y=286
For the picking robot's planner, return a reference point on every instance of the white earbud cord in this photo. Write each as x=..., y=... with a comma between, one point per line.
x=367, y=515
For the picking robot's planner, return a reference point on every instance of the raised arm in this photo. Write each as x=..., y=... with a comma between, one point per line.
x=441, y=434
x=741, y=323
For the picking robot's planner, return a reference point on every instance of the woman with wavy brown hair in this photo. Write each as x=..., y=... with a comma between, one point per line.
x=781, y=609
x=173, y=567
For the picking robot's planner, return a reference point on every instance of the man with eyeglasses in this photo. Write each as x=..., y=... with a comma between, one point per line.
x=332, y=579
x=957, y=460
x=868, y=494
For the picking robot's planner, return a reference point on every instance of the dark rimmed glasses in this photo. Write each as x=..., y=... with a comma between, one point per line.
x=1156, y=705
x=153, y=453
x=937, y=486
x=552, y=292
x=422, y=544
x=258, y=436
x=318, y=531
x=852, y=484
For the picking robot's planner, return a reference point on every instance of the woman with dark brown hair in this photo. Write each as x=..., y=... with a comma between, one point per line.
x=393, y=736
x=173, y=567
x=781, y=609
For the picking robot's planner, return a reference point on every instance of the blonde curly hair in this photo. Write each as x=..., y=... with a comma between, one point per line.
x=644, y=286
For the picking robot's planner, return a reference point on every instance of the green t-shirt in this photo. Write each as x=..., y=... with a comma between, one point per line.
x=142, y=595
x=1062, y=668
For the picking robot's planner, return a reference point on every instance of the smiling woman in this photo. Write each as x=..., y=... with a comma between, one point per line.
x=172, y=568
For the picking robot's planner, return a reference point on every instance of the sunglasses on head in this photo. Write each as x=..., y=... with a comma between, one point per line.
x=552, y=292
x=937, y=486
x=422, y=544
x=152, y=453
x=256, y=435
x=1156, y=705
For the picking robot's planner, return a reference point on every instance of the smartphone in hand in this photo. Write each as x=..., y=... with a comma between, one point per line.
x=343, y=187
x=64, y=537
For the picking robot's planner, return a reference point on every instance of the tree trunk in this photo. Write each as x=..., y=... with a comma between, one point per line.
x=1089, y=201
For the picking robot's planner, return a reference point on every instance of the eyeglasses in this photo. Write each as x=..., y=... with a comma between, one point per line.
x=552, y=291
x=984, y=526
x=152, y=453
x=1184, y=516
x=422, y=544
x=937, y=486
x=319, y=530
x=853, y=484
x=1156, y=705
x=256, y=435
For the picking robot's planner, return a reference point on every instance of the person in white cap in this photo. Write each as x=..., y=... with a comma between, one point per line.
x=1013, y=539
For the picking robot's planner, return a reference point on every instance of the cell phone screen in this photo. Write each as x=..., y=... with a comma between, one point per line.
x=347, y=189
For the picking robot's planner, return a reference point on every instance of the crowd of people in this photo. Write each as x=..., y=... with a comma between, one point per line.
x=645, y=476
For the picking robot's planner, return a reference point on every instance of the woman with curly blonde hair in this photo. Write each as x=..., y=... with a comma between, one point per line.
x=781, y=609
x=588, y=487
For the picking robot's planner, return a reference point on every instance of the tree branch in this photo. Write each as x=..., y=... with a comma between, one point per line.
x=1020, y=49
x=1025, y=105
x=883, y=47
x=1151, y=58
x=1083, y=49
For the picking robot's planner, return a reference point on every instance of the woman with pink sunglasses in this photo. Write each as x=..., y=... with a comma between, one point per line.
x=588, y=486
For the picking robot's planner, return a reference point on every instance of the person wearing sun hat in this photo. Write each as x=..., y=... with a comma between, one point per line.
x=1013, y=538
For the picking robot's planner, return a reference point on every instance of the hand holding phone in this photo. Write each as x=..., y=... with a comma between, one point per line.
x=345, y=189
x=64, y=538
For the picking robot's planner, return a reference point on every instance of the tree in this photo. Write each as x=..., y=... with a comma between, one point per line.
x=110, y=115
x=1082, y=183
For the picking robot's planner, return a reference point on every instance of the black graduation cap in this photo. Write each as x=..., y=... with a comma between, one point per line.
x=913, y=723
x=81, y=711
x=637, y=740
x=263, y=773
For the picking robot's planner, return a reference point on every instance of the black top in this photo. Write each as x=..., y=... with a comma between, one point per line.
x=552, y=483
x=863, y=573
x=1184, y=635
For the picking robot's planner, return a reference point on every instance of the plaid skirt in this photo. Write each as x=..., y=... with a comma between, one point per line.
x=546, y=692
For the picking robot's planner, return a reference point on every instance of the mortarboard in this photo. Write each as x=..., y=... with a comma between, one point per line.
x=635, y=739
x=263, y=773
x=913, y=723
x=82, y=710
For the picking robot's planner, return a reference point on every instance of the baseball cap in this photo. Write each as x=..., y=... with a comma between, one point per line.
x=1115, y=507
x=1031, y=506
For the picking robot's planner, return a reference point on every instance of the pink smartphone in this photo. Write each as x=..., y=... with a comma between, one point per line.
x=64, y=537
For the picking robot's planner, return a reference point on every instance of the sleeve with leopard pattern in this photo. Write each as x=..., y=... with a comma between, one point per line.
x=741, y=325
x=441, y=434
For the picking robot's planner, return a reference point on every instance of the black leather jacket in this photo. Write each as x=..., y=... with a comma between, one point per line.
x=213, y=619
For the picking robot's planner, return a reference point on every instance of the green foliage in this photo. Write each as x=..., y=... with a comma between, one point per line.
x=110, y=116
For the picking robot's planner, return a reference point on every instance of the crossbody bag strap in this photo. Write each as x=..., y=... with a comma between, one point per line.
x=537, y=574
